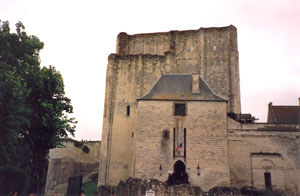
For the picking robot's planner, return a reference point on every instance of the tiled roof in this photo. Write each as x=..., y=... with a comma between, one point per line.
x=286, y=114
x=179, y=87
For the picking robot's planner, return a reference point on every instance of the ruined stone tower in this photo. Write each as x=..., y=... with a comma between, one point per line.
x=140, y=60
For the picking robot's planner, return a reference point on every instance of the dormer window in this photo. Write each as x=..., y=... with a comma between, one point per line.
x=180, y=109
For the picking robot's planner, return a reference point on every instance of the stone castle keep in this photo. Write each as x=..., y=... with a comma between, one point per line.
x=172, y=112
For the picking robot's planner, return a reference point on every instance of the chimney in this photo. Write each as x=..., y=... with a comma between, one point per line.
x=196, y=89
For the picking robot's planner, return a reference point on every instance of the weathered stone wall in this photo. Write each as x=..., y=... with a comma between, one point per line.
x=139, y=62
x=138, y=187
x=206, y=142
x=127, y=78
x=210, y=52
x=258, y=148
x=150, y=43
x=69, y=162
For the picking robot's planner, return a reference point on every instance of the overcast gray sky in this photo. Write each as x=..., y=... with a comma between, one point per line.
x=79, y=35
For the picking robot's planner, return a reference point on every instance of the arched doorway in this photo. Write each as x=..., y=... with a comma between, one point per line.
x=179, y=176
x=179, y=168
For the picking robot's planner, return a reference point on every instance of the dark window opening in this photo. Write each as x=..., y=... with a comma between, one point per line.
x=174, y=142
x=132, y=135
x=166, y=134
x=128, y=110
x=268, y=182
x=180, y=109
x=184, y=155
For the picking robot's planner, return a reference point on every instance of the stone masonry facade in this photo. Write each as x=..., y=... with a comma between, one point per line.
x=207, y=145
x=152, y=74
x=70, y=161
x=172, y=113
x=255, y=149
x=140, y=60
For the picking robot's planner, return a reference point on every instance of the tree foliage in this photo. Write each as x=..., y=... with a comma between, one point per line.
x=33, y=111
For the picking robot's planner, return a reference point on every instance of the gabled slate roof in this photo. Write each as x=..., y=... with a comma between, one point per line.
x=179, y=87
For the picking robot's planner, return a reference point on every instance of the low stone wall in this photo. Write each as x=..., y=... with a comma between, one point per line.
x=138, y=187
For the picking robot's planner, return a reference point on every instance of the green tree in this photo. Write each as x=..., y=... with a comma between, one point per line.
x=33, y=109
x=14, y=162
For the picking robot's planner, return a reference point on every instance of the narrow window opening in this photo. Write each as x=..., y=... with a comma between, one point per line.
x=128, y=110
x=184, y=155
x=166, y=134
x=180, y=109
x=174, y=142
x=132, y=134
x=268, y=182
